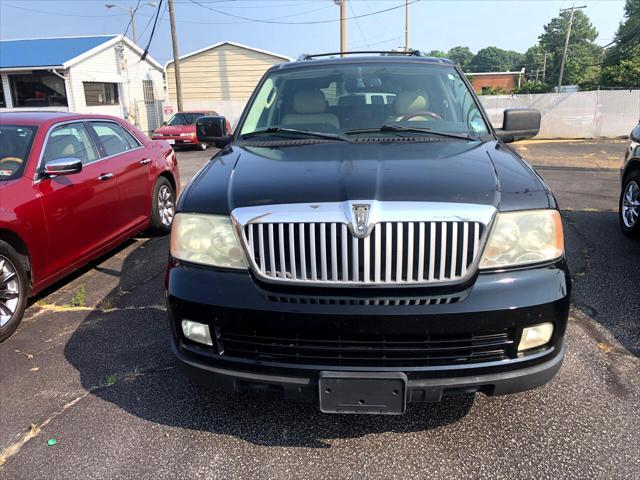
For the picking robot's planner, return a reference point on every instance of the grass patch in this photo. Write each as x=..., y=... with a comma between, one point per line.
x=107, y=304
x=131, y=376
x=111, y=379
x=79, y=298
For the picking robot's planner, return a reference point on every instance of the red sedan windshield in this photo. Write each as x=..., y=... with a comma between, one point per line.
x=184, y=119
x=15, y=145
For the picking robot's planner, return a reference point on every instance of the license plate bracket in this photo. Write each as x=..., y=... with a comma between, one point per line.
x=380, y=393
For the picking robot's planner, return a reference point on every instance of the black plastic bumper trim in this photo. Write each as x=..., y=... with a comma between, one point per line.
x=419, y=390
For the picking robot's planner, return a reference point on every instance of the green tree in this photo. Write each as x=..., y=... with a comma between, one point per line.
x=534, y=87
x=622, y=60
x=460, y=55
x=584, y=55
x=436, y=53
x=494, y=59
x=534, y=62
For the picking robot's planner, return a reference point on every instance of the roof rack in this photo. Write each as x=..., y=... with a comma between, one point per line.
x=412, y=53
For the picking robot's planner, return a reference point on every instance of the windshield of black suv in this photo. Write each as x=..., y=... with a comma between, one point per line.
x=365, y=98
x=15, y=145
x=184, y=119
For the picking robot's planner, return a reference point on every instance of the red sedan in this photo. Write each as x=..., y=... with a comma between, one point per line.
x=73, y=187
x=180, y=130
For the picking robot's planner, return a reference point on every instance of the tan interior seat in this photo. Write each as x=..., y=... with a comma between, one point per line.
x=409, y=102
x=309, y=108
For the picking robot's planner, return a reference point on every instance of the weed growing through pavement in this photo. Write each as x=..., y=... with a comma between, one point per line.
x=79, y=299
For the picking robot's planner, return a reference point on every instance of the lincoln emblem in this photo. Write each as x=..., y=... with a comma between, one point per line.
x=360, y=220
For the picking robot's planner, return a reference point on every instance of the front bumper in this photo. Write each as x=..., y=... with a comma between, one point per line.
x=178, y=140
x=418, y=390
x=506, y=301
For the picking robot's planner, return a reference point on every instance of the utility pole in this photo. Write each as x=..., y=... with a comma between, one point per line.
x=132, y=14
x=566, y=41
x=544, y=67
x=133, y=24
x=176, y=56
x=406, y=25
x=343, y=26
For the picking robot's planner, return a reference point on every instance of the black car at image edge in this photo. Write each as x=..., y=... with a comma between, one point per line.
x=366, y=239
x=629, y=211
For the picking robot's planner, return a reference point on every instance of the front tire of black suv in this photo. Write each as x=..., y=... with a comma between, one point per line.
x=14, y=286
x=629, y=206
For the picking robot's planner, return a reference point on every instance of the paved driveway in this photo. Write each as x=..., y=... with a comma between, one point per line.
x=100, y=379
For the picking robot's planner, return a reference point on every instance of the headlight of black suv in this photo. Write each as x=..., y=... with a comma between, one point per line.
x=207, y=240
x=523, y=238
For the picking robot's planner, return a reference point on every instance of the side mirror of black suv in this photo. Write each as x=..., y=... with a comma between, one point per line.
x=519, y=124
x=213, y=130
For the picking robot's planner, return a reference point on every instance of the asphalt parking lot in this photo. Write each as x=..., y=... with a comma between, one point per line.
x=100, y=379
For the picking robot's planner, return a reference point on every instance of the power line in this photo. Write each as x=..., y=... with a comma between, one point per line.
x=358, y=25
x=312, y=22
x=153, y=31
x=61, y=14
x=131, y=15
x=151, y=19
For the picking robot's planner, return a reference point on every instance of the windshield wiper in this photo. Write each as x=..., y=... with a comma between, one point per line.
x=295, y=132
x=394, y=127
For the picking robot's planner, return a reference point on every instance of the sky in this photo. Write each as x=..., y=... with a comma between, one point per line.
x=433, y=24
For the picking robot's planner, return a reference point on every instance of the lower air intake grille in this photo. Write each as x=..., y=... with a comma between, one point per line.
x=366, y=350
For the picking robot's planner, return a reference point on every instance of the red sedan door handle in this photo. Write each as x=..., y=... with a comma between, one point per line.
x=105, y=176
x=145, y=161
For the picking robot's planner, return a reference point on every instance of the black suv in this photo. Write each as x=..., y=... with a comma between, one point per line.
x=365, y=239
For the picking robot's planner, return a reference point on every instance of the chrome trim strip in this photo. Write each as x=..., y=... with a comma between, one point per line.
x=454, y=250
x=378, y=234
x=465, y=247
x=312, y=237
x=292, y=251
x=272, y=252
x=340, y=212
x=303, y=254
x=345, y=254
x=323, y=251
x=420, y=276
x=409, y=268
x=443, y=248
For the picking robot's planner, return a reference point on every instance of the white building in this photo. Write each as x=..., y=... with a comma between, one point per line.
x=91, y=74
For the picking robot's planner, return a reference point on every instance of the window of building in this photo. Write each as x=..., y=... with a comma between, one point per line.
x=39, y=89
x=97, y=93
x=3, y=104
x=147, y=90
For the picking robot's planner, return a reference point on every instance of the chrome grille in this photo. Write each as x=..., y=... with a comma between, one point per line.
x=393, y=253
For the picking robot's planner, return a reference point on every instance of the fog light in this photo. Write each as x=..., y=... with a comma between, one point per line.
x=535, y=336
x=198, y=332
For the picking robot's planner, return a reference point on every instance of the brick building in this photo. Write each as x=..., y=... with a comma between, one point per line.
x=506, y=81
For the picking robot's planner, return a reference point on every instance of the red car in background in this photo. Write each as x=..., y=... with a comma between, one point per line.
x=73, y=187
x=180, y=130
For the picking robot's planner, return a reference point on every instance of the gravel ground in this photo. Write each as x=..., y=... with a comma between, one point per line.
x=101, y=380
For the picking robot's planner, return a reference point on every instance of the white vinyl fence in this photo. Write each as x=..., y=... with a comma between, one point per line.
x=602, y=113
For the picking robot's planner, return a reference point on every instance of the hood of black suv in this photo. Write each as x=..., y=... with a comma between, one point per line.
x=484, y=173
